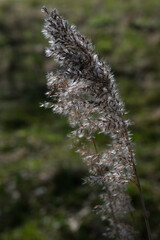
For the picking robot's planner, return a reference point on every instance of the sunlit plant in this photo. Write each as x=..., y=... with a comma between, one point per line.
x=84, y=89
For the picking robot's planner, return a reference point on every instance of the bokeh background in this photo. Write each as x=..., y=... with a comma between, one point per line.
x=41, y=192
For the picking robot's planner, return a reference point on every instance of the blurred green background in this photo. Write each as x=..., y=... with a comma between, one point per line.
x=41, y=192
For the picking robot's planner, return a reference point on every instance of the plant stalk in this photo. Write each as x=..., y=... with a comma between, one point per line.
x=142, y=203
x=139, y=187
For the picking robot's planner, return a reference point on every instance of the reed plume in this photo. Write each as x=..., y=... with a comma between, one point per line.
x=84, y=89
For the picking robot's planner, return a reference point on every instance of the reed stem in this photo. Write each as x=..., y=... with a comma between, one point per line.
x=139, y=188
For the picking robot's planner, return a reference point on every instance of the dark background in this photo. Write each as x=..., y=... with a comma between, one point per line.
x=41, y=191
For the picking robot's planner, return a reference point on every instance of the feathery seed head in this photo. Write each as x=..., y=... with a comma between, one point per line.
x=85, y=91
